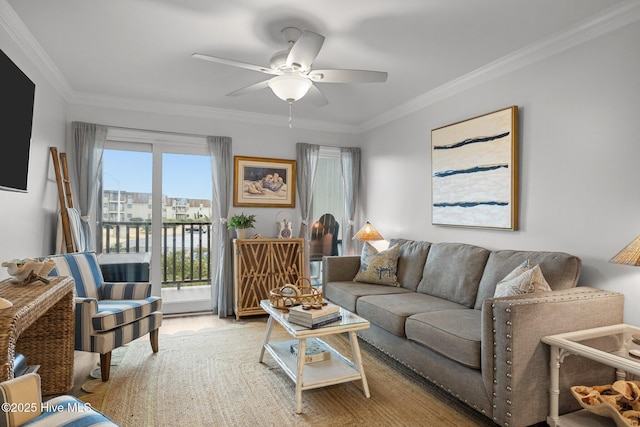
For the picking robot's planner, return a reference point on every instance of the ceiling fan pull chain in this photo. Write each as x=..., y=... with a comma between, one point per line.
x=290, y=125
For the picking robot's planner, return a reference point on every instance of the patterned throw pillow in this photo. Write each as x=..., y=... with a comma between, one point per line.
x=378, y=268
x=523, y=279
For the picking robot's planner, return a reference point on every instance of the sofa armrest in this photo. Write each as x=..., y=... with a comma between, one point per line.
x=340, y=268
x=515, y=362
x=126, y=290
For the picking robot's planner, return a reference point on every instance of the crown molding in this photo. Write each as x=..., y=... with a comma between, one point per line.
x=21, y=35
x=170, y=108
x=609, y=20
x=602, y=23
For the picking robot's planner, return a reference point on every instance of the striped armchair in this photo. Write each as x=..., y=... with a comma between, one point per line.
x=22, y=405
x=108, y=315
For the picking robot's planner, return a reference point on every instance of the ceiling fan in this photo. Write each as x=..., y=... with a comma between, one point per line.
x=294, y=77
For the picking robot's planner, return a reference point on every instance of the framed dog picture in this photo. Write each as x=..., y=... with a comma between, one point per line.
x=264, y=182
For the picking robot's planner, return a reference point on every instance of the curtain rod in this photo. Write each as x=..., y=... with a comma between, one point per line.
x=156, y=131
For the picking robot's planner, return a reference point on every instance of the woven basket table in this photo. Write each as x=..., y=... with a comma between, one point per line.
x=40, y=325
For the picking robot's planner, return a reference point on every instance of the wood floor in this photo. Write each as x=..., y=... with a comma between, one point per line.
x=85, y=363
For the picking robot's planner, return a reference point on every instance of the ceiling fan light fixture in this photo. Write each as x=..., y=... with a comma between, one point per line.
x=289, y=87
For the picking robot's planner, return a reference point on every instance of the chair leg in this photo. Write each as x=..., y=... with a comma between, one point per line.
x=153, y=335
x=105, y=365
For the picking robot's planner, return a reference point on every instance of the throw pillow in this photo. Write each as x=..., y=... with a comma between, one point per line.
x=523, y=279
x=380, y=268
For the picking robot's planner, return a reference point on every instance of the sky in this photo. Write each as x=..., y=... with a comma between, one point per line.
x=184, y=175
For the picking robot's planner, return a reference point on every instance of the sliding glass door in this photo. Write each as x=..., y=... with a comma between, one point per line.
x=156, y=207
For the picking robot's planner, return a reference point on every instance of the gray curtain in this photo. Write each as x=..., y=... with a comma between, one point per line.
x=350, y=160
x=87, y=147
x=222, y=173
x=307, y=162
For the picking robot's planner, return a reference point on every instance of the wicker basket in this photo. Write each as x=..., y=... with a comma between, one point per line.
x=291, y=295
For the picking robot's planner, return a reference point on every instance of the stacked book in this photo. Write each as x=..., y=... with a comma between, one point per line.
x=314, y=317
x=316, y=351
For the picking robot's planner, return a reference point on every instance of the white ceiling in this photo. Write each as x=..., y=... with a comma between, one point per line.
x=138, y=53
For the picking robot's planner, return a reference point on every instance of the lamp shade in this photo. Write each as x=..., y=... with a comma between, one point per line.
x=368, y=233
x=630, y=255
x=289, y=87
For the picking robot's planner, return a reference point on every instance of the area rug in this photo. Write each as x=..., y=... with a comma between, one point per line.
x=213, y=378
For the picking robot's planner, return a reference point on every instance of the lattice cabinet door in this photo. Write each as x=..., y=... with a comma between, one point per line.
x=261, y=265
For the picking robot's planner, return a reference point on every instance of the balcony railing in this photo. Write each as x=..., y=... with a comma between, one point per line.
x=186, y=247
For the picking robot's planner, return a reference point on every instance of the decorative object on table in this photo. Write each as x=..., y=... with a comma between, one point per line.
x=619, y=401
x=285, y=230
x=367, y=233
x=474, y=166
x=264, y=182
x=291, y=295
x=5, y=303
x=242, y=223
x=315, y=351
x=29, y=270
x=314, y=315
x=629, y=255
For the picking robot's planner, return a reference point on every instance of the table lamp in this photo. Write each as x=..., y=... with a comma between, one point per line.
x=629, y=255
x=367, y=233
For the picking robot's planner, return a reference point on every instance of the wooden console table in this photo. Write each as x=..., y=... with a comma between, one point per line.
x=260, y=265
x=40, y=325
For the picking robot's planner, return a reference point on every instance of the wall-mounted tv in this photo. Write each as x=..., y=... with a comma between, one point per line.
x=16, y=103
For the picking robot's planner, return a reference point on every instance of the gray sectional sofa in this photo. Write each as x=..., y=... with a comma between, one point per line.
x=444, y=323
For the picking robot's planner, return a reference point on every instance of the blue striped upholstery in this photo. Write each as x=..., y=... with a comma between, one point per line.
x=84, y=269
x=25, y=392
x=114, y=313
x=136, y=290
x=108, y=315
x=68, y=411
x=105, y=341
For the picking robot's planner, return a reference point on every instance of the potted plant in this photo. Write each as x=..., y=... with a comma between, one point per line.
x=242, y=223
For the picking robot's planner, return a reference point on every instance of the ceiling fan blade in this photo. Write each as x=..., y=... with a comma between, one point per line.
x=347, y=76
x=251, y=88
x=234, y=63
x=316, y=97
x=304, y=50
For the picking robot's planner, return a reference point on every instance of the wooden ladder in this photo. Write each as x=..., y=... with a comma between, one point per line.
x=64, y=194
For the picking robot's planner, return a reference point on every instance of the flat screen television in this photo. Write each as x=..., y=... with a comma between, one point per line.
x=17, y=93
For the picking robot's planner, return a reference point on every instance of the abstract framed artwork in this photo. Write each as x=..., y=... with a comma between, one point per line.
x=474, y=166
x=264, y=182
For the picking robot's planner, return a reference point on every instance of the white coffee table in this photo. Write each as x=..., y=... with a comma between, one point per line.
x=338, y=369
x=608, y=345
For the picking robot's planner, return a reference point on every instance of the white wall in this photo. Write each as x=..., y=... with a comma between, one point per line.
x=255, y=140
x=579, y=152
x=27, y=220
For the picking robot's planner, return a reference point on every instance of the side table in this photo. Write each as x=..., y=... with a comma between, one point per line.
x=40, y=325
x=608, y=345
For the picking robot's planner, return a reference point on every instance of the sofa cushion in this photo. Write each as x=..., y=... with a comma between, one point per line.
x=379, y=268
x=561, y=270
x=345, y=294
x=411, y=259
x=456, y=334
x=453, y=272
x=116, y=313
x=524, y=279
x=392, y=310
